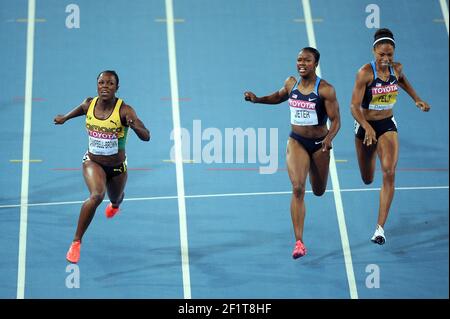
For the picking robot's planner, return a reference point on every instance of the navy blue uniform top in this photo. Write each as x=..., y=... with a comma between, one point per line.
x=381, y=95
x=307, y=110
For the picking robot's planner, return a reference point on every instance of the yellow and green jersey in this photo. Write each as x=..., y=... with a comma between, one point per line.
x=108, y=136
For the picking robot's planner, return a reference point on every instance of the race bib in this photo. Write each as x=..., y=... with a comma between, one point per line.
x=383, y=97
x=303, y=113
x=103, y=143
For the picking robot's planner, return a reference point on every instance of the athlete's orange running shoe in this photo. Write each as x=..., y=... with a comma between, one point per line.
x=299, y=250
x=111, y=211
x=73, y=255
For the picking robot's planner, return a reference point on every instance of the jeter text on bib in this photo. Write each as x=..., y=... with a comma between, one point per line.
x=303, y=113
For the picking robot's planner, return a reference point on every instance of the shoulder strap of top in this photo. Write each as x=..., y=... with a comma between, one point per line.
x=295, y=86
x=391, y=70
x=374, y=69
x=116, y=111
x=118, y=104
x=91, y=106
x=316, y=86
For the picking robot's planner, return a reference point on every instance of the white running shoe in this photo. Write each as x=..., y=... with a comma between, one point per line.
x=379, y=237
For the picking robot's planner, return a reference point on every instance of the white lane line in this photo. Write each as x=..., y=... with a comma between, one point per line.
x=409, y=188
x=178, y=153
x=26, y=153
x=444, y=9
x=333, y=174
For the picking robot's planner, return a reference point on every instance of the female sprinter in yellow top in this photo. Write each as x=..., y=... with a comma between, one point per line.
x=104, y=164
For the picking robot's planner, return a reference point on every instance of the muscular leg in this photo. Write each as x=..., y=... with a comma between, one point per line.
x=115, y=186
x=318, y=172
x=366, y=160
x=298, y=166
x=95, y=179
x=388, y=153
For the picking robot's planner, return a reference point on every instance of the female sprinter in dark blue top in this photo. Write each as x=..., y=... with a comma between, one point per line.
x=374, y=96
x=312, y=101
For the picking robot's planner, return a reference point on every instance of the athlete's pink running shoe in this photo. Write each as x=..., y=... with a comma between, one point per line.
x=111, y=211
x=299, y=250
x=73, y=255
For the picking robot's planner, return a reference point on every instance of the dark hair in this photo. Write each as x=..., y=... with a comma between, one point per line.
x=110, y=72
x=383, y=33
x=313, y=51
